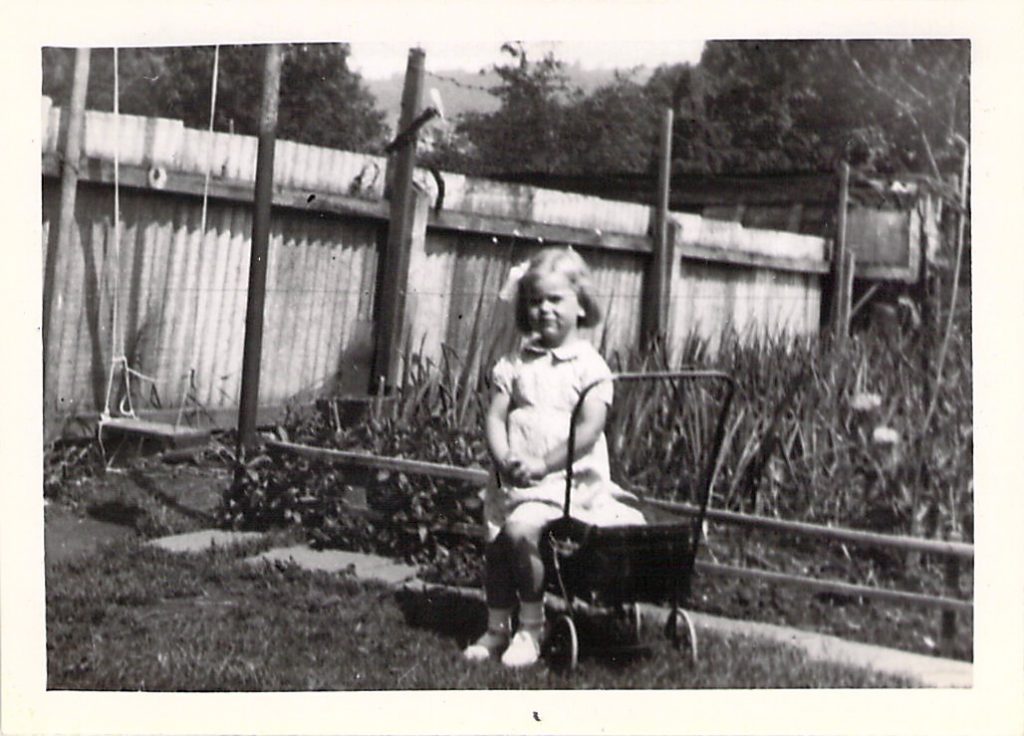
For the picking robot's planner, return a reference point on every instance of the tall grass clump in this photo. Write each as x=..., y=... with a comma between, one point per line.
x=821, y=431
x=854, y=433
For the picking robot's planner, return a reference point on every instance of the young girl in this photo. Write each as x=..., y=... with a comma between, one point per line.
x=527, y=426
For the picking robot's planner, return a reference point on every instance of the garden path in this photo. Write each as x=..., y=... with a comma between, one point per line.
x=929, y=671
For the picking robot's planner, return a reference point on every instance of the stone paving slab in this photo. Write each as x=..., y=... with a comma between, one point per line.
x=203, y=540
x=365, y=567
x=929, y=671
x=926, y=671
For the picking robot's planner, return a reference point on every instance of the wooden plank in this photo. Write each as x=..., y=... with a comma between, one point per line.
x=260, y=241
x=98, y=171
x=836, y=534
x=83, y=425
x=479, y=476
x=864, y=299
x=137, y=177
x=509, y=227
x=903, y=274
x=709, y=254
x=59, y=240
x=149, y=428
x=476, y=476
x=657, y=275
x=947, y=623
x=833, y=586
x=839, y=247
x=394, y=258
x=844, y=295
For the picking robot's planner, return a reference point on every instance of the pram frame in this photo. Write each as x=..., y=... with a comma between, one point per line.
x=559, y=547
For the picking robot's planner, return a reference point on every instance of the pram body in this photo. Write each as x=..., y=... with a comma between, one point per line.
x=611, y=569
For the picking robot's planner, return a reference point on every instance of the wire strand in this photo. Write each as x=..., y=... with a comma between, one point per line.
x=191, y=389
x=462, y=85
x=116, y=355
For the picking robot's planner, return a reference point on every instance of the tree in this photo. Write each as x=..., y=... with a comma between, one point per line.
x=545, y=124
x=613, y=129
x=322, y=102
x=892, y=106
x=697, y=144
x=525, y=133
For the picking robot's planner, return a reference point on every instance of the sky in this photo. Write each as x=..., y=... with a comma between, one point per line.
x=374, y=60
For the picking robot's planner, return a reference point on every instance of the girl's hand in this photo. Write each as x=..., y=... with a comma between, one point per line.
x=506, y=467
x=528, y=470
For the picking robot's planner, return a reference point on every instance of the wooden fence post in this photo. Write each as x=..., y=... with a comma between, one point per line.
x=654, y=315
x=72, y=122
x=842, y=281
x=253, y=344
x=393, y=275
x=844, y=294
x=948, y=623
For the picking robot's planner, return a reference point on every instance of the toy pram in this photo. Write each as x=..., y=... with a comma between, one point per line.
x=613, y=568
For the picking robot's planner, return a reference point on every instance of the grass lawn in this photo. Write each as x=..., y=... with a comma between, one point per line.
x=136, y=618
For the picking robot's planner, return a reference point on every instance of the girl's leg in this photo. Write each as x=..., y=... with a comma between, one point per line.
x=523, y=531
x=501, y=598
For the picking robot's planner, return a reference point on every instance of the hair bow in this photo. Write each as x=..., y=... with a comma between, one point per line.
x=511, y=288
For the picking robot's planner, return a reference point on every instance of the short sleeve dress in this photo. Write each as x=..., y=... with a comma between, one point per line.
x=544, y=385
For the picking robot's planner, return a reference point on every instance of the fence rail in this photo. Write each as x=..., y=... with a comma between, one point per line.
x=479, y=476
x=140, y=177
x=954, y=552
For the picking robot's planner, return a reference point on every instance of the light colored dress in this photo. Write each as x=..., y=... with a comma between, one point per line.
x=544, y=385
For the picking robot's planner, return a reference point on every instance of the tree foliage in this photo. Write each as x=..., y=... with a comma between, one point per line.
x=322, y=101
x=891, y=106
x=747, y=107
x=527, y=131
x=546, y=124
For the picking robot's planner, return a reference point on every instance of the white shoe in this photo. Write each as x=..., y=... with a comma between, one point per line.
x=523, y=651
x=487, y=646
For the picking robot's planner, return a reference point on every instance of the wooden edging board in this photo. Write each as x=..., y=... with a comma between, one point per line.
x=478, y=476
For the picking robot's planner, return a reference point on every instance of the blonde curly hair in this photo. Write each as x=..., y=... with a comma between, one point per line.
x=571, y=265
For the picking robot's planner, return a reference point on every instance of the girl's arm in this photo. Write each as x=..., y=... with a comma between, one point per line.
x=496, y=428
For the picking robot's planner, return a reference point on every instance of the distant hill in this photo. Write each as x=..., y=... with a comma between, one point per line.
x=464, y=91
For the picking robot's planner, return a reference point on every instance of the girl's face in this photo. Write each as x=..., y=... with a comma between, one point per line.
x=553, y=308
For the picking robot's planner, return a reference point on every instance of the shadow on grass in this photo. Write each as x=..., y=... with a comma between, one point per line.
x=444, y=612
x=146, y=484
x=458, y=617
x=115, y=512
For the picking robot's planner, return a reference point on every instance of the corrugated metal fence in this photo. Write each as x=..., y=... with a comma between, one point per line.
x=180, y=294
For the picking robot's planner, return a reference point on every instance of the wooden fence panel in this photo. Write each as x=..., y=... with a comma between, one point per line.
x=181, y=300
x=709, y=296
x=457, y=277
x=181, y=293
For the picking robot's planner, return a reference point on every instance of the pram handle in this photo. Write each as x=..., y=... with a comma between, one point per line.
x=712, y=461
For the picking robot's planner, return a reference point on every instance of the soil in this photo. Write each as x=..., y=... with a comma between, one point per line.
x=147, y=499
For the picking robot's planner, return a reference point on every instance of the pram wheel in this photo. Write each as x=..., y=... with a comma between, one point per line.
x=680, y=631
x=563, y=644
